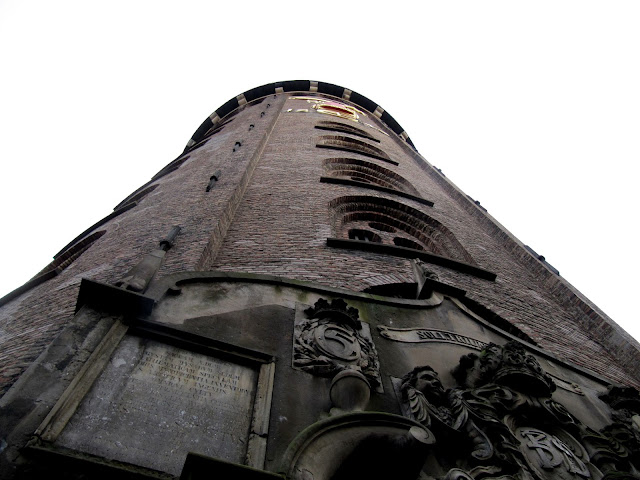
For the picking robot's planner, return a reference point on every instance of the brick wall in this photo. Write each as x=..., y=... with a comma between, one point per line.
x=269, y=213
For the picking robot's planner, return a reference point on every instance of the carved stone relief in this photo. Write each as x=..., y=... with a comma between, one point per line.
x=426, y=335
x=501, y=422
x=546, y=453
x=624, y=428
x=508, y=365
x=329, y=338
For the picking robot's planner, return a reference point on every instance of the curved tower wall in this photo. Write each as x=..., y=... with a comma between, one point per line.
x=318, y=186
x=269, y=213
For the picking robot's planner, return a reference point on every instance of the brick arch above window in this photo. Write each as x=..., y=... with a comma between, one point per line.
x=367, y=172
x=344, y=128
x=72, y=253
x=173, y=166
x=413, y=226
x=347, y=144
x=364, y=235
x=136, y=196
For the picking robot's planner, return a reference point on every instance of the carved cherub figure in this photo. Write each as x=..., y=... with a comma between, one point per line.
x=430, y=404
x=423, y=391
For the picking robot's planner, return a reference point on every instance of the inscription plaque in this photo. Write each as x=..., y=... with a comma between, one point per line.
x=154, y=403
x=424, y=335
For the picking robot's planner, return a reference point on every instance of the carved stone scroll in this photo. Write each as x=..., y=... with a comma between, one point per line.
x=425, y=335
x=501, y=422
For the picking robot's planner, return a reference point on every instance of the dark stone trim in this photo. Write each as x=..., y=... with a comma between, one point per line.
x=138, y=195
x=171, y=285
x=29, y=285
x=171, y=167
x=294, y=85
x=258, y=92
x=120, y=211
x=371, y=186
x=174, y=335
x=363, y=102
x=200, y=467
x=542, y=260
x=299, y=86
x=200, y=143
x=116, y=300
x=330, y=89
x=445, y=288
x=138, y=190
x=222, y=112
x=63, y=461
x=411, y=253
x=204, y=128
x=391, y=123
x=346, y=130
x=495, y=319
x=133, y=194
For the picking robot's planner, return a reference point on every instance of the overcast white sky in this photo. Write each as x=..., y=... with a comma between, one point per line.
x=533, y=108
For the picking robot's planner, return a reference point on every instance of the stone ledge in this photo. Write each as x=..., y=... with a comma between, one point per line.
x=411, y=253
x=113, y=299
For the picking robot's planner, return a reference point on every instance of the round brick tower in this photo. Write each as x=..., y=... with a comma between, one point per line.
x=297, y=269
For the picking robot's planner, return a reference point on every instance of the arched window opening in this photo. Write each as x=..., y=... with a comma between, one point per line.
x=364, y=235
x=423, y=239
x=367, y=172
x=213, y=130
x=420, y=231
x=200, y=143
x=341, y=127
x=383, y=227
x=173, y=166
x=405, y=242
x=347, y=144
x=135, y=197
x=72, y=253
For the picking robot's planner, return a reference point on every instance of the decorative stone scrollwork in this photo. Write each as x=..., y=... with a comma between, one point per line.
x=430, y=404
x=331, y=339
x=500, y=422
x=624, y=430
x=508, y=365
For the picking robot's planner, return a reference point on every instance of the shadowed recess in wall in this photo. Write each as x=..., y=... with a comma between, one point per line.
x=135, y=197
x=339, y=142
x=70, y=255
x=411, y=226
x=367, y=172
x=341, y=127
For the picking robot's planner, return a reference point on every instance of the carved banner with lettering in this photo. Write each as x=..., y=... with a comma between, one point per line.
x=421, y=335
x=154, y=403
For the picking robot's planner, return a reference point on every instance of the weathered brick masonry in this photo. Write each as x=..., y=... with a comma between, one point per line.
x=268, y=212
